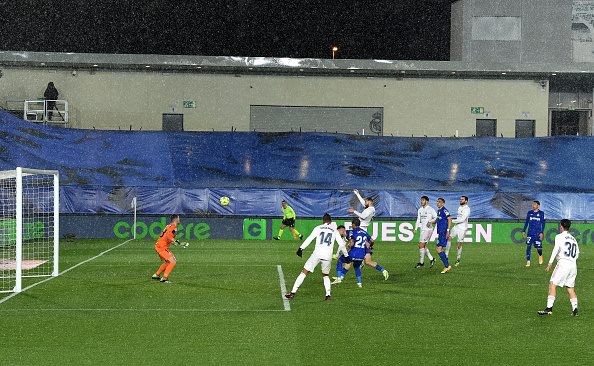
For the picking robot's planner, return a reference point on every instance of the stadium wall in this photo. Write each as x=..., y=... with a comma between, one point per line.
x=412, y=107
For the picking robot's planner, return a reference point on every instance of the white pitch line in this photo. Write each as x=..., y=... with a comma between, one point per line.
x=61, y=273
x=281, y=276
x=287, y=305
x=168, y=310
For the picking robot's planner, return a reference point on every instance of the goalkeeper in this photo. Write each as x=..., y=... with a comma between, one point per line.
x=166, y=238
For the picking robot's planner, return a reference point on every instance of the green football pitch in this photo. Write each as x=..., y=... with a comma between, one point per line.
x=225, y=306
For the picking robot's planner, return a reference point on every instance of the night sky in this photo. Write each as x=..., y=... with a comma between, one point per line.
x=393, y=29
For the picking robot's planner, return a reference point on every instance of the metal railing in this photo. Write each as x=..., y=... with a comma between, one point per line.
x=46, y=111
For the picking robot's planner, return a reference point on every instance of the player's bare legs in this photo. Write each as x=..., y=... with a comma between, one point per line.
x=369, y=262
x=166, y=267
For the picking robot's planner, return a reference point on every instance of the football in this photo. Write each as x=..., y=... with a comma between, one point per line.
x=224, y=201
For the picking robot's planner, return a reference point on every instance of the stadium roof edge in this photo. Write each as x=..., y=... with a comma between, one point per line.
x=298, y=66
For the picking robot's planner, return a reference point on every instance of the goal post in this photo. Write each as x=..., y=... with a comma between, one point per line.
x=29, y=226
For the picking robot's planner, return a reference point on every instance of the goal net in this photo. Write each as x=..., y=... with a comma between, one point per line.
x=29, y=226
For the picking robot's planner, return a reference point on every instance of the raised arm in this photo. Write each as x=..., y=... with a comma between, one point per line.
x=359, y=197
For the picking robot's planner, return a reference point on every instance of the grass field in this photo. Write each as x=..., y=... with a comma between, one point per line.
x=224, y=306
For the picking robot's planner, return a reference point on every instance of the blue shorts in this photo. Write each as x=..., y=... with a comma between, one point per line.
x=358, y=253
x=534, y=240
x=442, y=241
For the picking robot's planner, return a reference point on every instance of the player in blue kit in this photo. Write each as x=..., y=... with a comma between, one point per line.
x=360, y=245
x=359, y=240
x=444, y=222
x=535, y=222
x=345, y=235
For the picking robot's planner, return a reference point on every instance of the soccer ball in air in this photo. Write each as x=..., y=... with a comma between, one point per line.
x=224, y=201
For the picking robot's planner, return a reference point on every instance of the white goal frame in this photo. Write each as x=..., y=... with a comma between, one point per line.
x=19, y=173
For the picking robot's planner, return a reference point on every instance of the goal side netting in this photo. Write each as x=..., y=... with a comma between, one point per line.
x=29, y=226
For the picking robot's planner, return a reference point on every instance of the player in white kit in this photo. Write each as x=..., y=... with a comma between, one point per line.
x=367, y=214
x=567, y=252
x=425, y=217
x=325, y=236
x=459, y=230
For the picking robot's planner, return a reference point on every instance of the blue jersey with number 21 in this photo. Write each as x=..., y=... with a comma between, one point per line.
x=360, y=237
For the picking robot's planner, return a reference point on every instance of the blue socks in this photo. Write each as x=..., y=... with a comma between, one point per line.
x=339, y=269
x=379, y=268
x=444, y=259
x=358, y=273
x=528, y=247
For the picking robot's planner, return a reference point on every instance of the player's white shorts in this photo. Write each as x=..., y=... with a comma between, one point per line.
x=564, y=274
x=314, y=260
x=425, y=235
x=458, y=231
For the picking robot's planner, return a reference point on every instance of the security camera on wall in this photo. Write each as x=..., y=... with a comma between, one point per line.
x=73, y=72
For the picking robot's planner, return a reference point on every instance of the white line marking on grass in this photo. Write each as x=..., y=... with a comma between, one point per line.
x=168, y=310
x=281, y=276
x=61, y=273
x=287, y=306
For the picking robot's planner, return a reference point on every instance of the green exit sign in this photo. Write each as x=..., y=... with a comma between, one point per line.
x=477, y=110
x=189, y=104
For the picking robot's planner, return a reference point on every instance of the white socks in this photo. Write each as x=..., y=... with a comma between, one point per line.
x=551, y=301
x=459, y=252
x=327, y=285
x=299, y=281
x=448, y=246
x=573, y=303
x=423, y=252
x=428, y=254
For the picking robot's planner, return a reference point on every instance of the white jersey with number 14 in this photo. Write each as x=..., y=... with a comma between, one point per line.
x=325, y=236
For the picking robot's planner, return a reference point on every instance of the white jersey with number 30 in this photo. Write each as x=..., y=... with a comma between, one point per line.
x=567, y=252
x=566, y=248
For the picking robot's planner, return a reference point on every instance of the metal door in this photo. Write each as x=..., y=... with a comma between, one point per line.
x=525, y=128
x=486, y=127
x=173, y=122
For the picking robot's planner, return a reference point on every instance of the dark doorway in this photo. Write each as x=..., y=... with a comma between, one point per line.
x=173, y=122
x=486, y=127
x=525, y=128
x=565, y=123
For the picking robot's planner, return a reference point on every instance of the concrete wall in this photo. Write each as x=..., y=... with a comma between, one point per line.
x=435, y=107
x=545, y=35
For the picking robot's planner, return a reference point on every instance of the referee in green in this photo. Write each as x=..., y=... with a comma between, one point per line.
x=288, y=220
